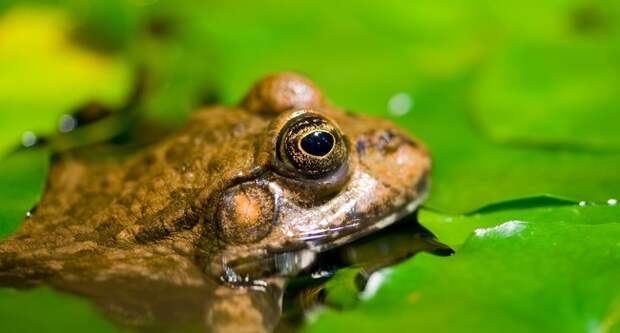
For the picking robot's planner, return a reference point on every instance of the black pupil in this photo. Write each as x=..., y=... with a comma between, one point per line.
x=318, y=143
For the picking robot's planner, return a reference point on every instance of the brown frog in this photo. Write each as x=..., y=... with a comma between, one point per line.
x=230, y=195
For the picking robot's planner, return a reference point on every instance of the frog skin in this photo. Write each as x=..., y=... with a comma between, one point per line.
x=282, y=171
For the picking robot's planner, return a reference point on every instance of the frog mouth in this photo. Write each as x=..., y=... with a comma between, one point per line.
x=297, y=256
x=322, y=240
x=289, y=258
x=250, y=271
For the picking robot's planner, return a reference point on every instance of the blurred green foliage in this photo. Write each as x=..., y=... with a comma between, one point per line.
x=563, y=93
x=45, y=75
x=514, y=100
x=55, y=313
x=23, y=176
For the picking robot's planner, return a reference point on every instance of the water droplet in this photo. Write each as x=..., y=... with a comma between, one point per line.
x=29, y=139
x=612, y=202
x=400, y=104
x=67, y=123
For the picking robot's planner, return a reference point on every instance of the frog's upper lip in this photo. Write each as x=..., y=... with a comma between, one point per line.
x=268, y=258
x=322, y=240
x=300, y=253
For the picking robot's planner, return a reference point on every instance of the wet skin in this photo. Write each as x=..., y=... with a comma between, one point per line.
x=228, y=196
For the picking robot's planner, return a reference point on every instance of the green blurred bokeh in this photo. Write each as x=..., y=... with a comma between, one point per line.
x=514, y=99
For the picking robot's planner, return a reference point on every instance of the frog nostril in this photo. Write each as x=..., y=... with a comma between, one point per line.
x=361, y=146
x=388, y=140
x=383, y=141
x=389, y=134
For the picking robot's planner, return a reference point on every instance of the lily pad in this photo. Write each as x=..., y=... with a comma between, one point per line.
x=454, y=229
x=546, y=274
x=552, y=93
x=551, y=80
x=470, y=171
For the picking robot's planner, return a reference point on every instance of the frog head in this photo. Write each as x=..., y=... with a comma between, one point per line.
x=308, y=175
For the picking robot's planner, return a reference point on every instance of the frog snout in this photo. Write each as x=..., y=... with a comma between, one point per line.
x=385, y=141
x=399, y=161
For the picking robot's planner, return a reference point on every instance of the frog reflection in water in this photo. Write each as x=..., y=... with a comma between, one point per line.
x=229, y=197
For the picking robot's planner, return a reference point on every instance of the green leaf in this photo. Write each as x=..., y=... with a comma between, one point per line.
x=45, y=310
x=543, y=275
x=453, y=230
x=22, y=176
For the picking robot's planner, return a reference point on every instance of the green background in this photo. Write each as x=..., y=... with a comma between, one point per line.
x=519, y=99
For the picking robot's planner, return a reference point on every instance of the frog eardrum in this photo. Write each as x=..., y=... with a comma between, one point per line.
x=246, y=213
x=312, y=145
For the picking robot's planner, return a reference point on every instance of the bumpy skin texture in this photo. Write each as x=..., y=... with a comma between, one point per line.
x=196, y=203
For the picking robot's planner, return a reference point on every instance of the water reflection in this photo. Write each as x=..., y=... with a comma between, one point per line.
x=170, y=293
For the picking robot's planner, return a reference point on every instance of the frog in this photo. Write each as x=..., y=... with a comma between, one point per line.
x=238, y=191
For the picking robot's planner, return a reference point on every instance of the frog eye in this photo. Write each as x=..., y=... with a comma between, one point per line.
x=317, y=143
x=312, y=145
